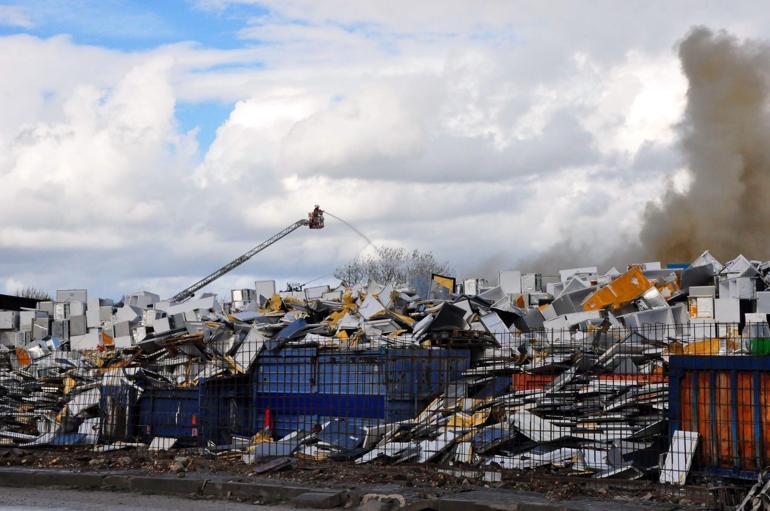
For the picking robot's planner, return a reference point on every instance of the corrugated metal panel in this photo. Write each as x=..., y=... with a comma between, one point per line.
x=291, y=370
x=359, y=373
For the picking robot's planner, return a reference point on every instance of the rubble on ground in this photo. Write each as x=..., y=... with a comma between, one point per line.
x=418, y=481
x=563, y=371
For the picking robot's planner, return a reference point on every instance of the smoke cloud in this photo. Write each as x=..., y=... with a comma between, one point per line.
x=725, y=137
x=725, y=140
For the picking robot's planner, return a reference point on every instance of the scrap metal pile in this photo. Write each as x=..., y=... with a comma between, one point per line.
x=584, y=419
x=565, y=371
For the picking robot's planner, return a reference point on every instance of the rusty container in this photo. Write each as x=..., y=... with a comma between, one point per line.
x=726, y=400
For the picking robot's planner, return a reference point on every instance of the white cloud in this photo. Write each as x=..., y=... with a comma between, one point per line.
x=14, y=16
x=247, y=144
x=468, y=132
x=100, y=163
x=641, y=100
x=370, y=125
x=12, y=286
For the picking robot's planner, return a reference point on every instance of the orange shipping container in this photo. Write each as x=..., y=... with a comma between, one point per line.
x=724, y=399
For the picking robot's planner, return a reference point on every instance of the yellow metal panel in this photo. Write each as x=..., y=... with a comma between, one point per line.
x=620, y=291
x=447, y=282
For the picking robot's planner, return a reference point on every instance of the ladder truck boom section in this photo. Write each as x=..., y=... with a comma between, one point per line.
x=314, y=220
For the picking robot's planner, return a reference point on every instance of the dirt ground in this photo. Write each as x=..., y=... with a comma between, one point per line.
x=43, y=499
x=424, y=480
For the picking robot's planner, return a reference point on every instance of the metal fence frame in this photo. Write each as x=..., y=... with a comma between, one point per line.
x=586, y=403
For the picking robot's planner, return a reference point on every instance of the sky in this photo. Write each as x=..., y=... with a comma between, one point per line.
x=144, y=144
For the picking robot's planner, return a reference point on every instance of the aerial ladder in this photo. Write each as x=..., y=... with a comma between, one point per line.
x=314, y=220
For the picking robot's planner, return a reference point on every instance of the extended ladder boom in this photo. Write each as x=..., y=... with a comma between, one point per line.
x=314, y=221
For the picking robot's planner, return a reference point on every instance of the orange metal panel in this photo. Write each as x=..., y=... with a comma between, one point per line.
x=704, y=417
x=526, y=381
x=726, y=417
x=764, y=414
x=745, y=403
x=723, y=417
x=640, y=378
x=686, y=404
x=704, y=347
x=622, y=290
x=22, y=356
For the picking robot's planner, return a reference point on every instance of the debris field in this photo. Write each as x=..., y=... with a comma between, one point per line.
x=568, y=372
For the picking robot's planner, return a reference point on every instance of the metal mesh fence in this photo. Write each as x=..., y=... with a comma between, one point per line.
x=657, y=403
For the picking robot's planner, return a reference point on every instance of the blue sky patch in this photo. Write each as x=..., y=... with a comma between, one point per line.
x=134, y=25
x=206, y=116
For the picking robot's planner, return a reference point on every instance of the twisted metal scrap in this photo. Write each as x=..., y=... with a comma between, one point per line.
x=758, y=498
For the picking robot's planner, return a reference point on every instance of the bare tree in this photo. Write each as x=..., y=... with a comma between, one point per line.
x=34, y=293
x=391, y=265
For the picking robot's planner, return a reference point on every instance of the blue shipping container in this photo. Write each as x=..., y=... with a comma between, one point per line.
x=213, y=411
x=302, y=387
x=172, y=413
